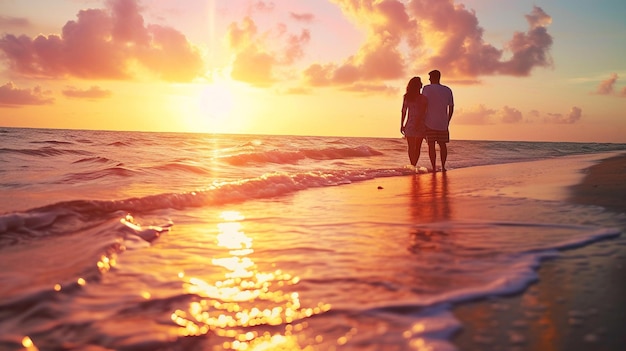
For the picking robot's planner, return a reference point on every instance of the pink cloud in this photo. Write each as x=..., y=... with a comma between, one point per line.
x=264, y=6
x=511, y=115
x=459, y=51
x=93, y=92
x=12, y=96
x=463, y=51
x=302, y=17
x=530, y=49
x=13, y=22
x=607, y=87
x=295, y=43
x=380, y=57
x=104, y=44
x=479, y=115
x=572, y=117
x=482, y=115
x=535, y=115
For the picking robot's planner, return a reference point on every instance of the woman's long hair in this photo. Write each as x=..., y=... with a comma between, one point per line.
x=413, y=89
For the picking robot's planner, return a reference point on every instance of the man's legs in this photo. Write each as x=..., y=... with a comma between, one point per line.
x=443, y=150
x=432, y=153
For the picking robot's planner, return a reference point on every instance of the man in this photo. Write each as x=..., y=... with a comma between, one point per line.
x=438, y=116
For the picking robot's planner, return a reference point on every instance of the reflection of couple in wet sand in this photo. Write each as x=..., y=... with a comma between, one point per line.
x=430, y=204
x=427, y=115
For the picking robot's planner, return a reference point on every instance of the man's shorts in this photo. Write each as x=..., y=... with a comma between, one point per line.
x=441, y=136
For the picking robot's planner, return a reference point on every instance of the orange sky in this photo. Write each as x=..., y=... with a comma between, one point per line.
x=519, y=70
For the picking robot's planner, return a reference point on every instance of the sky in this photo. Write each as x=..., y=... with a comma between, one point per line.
x=542, y=70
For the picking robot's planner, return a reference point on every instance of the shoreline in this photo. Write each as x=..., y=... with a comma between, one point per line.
x=603, y=185
x=579, y=298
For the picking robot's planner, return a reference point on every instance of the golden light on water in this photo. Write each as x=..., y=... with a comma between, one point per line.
x=106, y=263
x=246, y=298
x=28, y=344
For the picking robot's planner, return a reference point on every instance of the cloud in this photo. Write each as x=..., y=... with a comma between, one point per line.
x=510, y=115
x=105, y=44
x=93, y=92
x=530, y=49
x=302, y=17
x=459, y=47
x=534, y=114
x=372, y=88
x=482, y=115
x=295, y=43
x=264, y=6
x=251, y=64
x=13, y=22
x=607, y=87
x=380, y=57
x=572, y=117
x=408, y=36
x=12, y=96
x=258, y=56
x=479, y=115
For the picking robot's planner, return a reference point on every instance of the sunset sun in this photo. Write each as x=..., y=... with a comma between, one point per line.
x=216, y=101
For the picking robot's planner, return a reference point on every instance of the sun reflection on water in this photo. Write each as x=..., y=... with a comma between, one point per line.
x=251, y=310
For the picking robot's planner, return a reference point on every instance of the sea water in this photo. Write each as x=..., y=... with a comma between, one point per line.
x=129, y=240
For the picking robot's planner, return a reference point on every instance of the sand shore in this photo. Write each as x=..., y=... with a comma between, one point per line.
x=578, y=300
x=578, y=303
x=603, y=185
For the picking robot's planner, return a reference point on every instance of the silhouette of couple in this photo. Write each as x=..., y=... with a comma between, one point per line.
x=427, y=115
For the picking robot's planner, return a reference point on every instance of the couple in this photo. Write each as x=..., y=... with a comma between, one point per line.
x=429, y=115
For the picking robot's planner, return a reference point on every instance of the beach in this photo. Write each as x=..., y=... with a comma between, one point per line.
x=577, y=304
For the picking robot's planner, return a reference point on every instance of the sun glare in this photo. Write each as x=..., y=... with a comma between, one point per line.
x=216, y=103
x=206, y=108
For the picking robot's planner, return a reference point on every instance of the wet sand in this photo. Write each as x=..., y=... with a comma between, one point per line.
x=578, y=302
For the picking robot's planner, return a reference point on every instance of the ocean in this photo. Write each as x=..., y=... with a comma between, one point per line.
x=179, y=241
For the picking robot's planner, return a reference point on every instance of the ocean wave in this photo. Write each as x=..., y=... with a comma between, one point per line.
x=116, y=171
x=84, y=247
x=292, y=157
x=97, y=159
x=54, y=142
x=47, y=151
x=266, y=186
x=184, y=167
x=119, y=144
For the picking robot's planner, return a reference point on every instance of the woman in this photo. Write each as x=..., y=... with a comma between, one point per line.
x=414, y=111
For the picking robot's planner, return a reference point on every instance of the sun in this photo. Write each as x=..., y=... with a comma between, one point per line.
x=216, y=102
x=206, y=108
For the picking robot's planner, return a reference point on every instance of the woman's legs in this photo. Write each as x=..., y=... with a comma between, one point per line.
x=414, y=146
